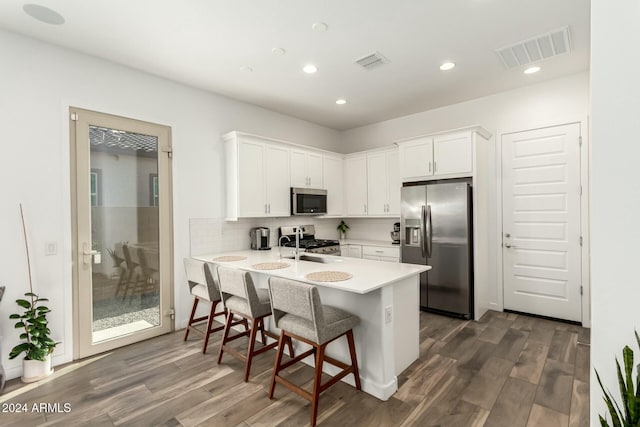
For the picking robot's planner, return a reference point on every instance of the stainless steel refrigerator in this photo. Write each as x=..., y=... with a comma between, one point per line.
x=436, y=230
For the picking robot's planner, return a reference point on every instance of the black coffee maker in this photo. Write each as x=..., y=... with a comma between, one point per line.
x=260, y=238
x=395, y=234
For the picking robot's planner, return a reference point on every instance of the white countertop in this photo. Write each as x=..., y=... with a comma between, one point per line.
x=368, y=275
x=384, y=243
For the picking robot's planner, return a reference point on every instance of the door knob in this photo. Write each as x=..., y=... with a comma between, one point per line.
x=508, y=246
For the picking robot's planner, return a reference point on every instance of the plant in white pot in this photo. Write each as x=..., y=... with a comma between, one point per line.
x=37, y=344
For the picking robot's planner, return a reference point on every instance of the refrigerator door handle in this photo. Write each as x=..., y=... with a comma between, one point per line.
x=428, y=229
x=423, y=231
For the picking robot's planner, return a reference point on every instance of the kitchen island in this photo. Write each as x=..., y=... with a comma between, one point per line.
x=384, y=295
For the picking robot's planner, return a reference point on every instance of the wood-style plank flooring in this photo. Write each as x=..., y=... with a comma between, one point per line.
x=506, y=370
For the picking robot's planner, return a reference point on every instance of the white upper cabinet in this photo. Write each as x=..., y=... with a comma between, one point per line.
x=383, y=183
x=372, y=183
x=355, y=184
x=277, y=181
x=306, y=169
x=394, y=183
x=416, y=157
x=453, y=154
x=334, y=184
x=445, y=155
x=257, y=173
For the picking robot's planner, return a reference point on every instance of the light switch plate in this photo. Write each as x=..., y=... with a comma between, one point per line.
x=50, y=248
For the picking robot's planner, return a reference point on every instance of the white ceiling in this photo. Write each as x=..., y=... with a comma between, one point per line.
x=204, y=43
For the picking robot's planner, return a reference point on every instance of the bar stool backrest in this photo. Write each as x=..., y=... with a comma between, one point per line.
x=299, y=299
x=238, y=283
x=199, y=274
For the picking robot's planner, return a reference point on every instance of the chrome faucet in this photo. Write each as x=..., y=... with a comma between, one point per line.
x=280, y=243
x=298, y=230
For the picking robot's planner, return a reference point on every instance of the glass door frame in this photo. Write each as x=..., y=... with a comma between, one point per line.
x=79, y=122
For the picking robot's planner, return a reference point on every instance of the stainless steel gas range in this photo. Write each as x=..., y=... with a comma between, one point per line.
x=308, y=241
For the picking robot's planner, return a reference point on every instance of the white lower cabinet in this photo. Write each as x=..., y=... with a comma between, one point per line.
x=351, y=251
x=381, y=253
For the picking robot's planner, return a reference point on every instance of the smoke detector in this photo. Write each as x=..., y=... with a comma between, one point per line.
x=544, y=46
x=371, y=61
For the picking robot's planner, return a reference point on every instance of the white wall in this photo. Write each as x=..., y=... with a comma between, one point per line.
x=615, y=189
x=38, y=82
x=544, y=104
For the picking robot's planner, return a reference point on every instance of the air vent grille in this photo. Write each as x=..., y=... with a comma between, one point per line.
x=372, y=61
x=535, y=49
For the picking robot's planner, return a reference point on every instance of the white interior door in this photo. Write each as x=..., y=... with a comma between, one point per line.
x=541, y=222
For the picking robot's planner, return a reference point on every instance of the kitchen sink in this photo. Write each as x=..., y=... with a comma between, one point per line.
x=322, y=260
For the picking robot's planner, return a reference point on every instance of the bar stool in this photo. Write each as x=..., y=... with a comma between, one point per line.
x=299, y=314
x=241, y=298
x=202, y=286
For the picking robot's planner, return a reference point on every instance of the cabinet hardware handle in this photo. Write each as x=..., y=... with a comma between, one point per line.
x=269, y=207
x=365, y=208
x=379, y=252
x=265, y=208
x=435, y=166
x=429, y=166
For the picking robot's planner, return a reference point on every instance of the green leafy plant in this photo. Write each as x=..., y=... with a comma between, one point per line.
x=629, y=414
x=33, y=320
x=343, y=227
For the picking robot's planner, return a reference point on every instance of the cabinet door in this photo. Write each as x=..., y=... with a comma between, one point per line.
x=453, y=154
x=353, y=251
x=377, y=183
x=416, y=158
x=393, y=183
x=277, y=181
x=314, y=170
x=252, y=198
x=355, y=174
x=333, y=183
x=298, y=168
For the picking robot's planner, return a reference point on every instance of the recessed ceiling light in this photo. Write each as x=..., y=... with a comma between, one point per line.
x=341, y=101
x=532, y=70
x=310, y=69
x=278, y=51
x=447, y=66
x=246, y=69
x=43, y=14
x=320, y=27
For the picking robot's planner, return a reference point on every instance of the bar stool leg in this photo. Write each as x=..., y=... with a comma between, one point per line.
x=262, y=334
x=316, y=383
x=209, y=326
x=354, y=360
x=193, y=313
x=252, y=342
x=276, y=367
x=290, y=345
x=227, y=327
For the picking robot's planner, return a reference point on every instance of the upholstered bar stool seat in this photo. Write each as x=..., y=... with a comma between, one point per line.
x=204, y=287
x=241, y=298
x=299, y=313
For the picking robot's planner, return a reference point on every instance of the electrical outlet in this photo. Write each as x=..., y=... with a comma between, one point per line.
x=388, y=314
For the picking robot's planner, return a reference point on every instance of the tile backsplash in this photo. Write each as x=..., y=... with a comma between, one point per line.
x=215, y=235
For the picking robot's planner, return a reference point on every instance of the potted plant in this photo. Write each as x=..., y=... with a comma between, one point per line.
x=342, y=228
x=37, y=344
x=628, y=413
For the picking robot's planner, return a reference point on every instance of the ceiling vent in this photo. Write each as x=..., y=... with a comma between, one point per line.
x=535, y=49
x=371, y=61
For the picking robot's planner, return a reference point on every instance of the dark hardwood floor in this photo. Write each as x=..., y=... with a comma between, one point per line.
x=506, y=370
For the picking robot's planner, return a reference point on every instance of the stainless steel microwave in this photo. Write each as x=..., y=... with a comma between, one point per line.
x=308, y=201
